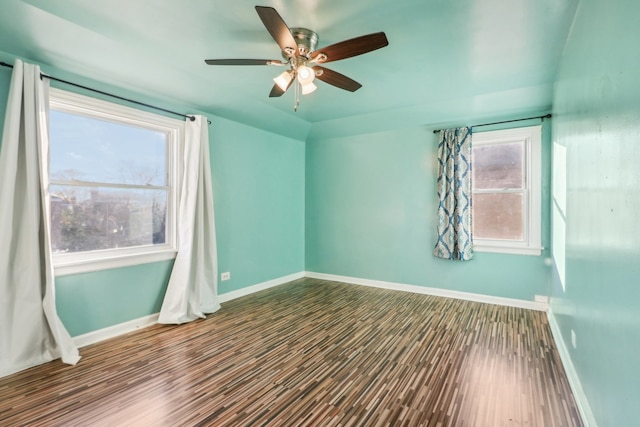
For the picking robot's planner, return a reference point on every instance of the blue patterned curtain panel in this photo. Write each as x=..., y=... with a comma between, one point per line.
x=454, y=193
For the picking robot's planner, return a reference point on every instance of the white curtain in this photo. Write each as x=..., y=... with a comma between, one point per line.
x=30, y=330
x=193, y=286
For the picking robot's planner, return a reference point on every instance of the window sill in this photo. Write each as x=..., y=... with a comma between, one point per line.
x=65, y=268
x=508, y=250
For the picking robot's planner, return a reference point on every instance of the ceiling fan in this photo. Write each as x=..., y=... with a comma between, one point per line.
x=299, y=53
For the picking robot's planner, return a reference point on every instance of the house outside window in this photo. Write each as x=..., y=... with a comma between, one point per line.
x=506, y=191
x=112, y=184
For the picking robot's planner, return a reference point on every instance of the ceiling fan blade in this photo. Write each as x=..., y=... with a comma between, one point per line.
x=278, y=29
x=336, y=79
x=349, y=48
x=276, y=91
x=243, y=62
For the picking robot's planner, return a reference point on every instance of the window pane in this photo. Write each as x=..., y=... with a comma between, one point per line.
x=88, y=149
x=94, y=218
x=498, y=216
x=498, y=166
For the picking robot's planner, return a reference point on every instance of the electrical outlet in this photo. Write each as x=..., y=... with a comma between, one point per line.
x=574, y=341
x=225, y=276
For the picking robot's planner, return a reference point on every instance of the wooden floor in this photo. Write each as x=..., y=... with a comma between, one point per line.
x=311, y=353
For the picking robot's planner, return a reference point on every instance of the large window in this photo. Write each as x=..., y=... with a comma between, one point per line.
x=112, y=181
x=506, y=191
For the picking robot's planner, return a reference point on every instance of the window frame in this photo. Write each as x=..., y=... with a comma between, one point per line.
x=88, y=261
x=531, y=244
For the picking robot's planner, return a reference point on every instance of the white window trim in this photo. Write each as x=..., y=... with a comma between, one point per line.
x=82, y=262
x=532, y=242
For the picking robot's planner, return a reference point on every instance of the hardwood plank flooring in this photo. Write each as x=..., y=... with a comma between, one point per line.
x=311, y=353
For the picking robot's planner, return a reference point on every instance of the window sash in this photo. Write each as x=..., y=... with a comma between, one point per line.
x=79, y=262
x=523, y=162
x=525, y=217
x=532, y=175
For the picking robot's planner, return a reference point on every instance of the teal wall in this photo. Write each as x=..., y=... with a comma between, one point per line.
x=5, y=81
x=91, y=301
x=371, y=213
x=258, y=182
x=597, y=119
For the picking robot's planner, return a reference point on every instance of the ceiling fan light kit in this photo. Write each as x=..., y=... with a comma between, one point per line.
x=305, y=74
x=284, y=80
x=298, y=47
x=308, y=88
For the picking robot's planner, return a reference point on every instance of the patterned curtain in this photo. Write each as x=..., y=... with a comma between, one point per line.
x=454, y=193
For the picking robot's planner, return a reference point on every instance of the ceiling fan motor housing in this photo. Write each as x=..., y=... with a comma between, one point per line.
x=307, y=41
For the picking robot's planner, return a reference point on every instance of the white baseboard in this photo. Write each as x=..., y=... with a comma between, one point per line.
x=228, y=296
x=115, y=330
x=574, y=380
x=142, y=322
x=468, y=296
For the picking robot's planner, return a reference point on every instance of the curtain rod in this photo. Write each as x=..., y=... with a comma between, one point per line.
x=547, y=116
x=192, y=118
